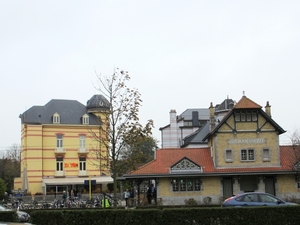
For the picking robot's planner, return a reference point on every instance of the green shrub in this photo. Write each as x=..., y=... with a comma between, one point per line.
x=190, y=202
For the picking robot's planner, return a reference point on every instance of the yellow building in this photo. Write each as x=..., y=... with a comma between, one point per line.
x=58, y=147
x=243, y=155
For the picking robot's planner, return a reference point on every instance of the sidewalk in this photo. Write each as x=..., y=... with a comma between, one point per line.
x=13, y=223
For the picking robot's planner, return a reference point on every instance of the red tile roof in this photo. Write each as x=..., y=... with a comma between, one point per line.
x=246, y=103
x=288, y=157
x=166, y=158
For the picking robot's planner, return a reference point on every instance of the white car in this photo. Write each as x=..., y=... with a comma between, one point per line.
x=23, y=216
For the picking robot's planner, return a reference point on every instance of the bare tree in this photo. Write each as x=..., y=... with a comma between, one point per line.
x=295, y=140
x=120, y=124
x=10, y=165
x=14, y=153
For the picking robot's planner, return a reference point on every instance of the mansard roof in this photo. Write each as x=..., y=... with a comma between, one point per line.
x=69, y=111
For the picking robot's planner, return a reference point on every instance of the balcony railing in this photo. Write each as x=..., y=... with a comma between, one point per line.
x=83, y=150
x=83, y=173
x=60, y=150
x=61, y=173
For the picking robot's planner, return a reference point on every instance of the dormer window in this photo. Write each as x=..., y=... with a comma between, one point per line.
x=56, y=118
x=85, y=119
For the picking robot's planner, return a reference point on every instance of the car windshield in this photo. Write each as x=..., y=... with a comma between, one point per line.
x=267, y=198
x=2, y=208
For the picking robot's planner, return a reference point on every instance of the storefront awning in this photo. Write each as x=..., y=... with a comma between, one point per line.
x=75, y=180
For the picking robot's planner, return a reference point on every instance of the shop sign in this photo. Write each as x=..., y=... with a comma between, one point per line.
x=71, y=165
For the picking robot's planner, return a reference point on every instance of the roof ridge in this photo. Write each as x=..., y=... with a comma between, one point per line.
x=245, y=102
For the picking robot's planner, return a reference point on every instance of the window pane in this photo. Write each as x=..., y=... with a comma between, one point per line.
x=267, y=198
x=82, y=141
x=197, y=184
x=243, y=154
x=175, y=184
x=250, y=154
x=59, y=141
x=182, y=185
x=248, y=116
x=190, y=184
x=254, y=116
x=243, y=117
x=237, y=117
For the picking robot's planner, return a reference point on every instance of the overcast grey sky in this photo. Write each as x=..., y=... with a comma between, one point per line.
x=180, y=54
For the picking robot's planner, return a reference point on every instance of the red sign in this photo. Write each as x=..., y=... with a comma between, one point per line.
x=67, y=165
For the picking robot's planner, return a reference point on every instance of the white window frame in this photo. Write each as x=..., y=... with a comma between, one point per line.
x=59, y=163
x=56, y=118
x=82, y=141
x=85, y=119
x=82, y=163
x=59, y=141
x=186, y=184
x=246, y=116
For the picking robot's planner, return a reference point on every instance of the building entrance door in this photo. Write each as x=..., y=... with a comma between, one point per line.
x=227, y=187
x=270, y=185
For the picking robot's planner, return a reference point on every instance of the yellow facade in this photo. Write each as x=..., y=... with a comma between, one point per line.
x=244, y=154
x=40, y=157
x=246, y=137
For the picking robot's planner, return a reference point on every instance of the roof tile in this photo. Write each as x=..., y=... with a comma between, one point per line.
x=246, y=103
x=165, y=158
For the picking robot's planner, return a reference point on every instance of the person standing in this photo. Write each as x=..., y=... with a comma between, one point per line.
x=72, y=194
x=153, y=192
x=64, y=197
x=149, y=195
x=127, y=196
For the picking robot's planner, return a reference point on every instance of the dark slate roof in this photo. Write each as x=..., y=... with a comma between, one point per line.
x=225, y=105
x=70, y=111
x=197, y=136
x=203, y=114
x=97, y=102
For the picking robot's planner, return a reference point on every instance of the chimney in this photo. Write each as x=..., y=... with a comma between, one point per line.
x=268, y=109
x=195, y=118
x=212, y=123
x=173, y=140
